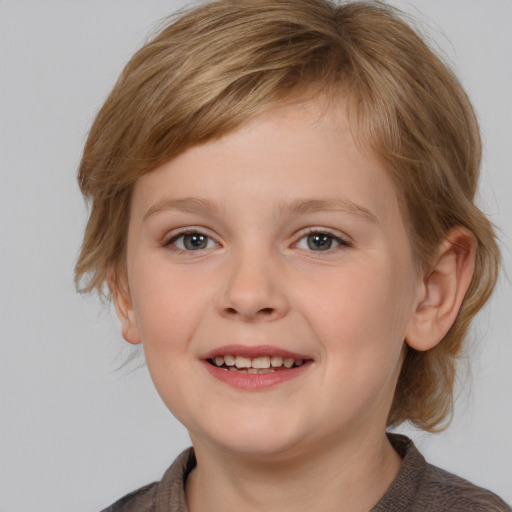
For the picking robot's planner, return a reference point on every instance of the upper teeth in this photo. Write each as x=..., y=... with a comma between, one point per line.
x=260, y=362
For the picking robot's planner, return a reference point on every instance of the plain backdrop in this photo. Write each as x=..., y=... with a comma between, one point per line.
x=75, y=434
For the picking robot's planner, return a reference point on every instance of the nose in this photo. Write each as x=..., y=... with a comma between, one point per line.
x=253, y=290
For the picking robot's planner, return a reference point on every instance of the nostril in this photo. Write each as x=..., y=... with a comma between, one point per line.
x=263, y=312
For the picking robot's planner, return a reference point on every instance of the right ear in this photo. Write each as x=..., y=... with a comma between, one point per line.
x=120, y=292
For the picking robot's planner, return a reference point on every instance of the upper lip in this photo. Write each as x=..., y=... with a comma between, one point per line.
x=252, y=351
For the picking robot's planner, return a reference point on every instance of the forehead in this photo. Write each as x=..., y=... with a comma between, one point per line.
x=304, y=150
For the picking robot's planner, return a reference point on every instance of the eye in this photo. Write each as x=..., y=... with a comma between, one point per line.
x=320, y=241
x=192, y=241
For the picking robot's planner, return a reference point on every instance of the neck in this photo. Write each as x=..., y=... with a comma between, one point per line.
x=350, y=477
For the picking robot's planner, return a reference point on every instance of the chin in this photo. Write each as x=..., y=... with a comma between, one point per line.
x=270, y=448
x=253, y=438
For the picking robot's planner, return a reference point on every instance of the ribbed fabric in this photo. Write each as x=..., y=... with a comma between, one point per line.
x=418, y=487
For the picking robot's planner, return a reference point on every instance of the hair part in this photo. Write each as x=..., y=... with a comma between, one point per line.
x=219, y=65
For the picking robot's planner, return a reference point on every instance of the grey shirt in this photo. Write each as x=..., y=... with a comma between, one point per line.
x=418, y=487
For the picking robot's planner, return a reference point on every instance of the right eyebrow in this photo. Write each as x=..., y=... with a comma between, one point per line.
x=333, y=204
x=185, y=204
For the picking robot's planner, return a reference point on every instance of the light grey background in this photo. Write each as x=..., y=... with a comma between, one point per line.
x=74, y=433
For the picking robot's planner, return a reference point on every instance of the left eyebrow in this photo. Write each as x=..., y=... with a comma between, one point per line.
x=185, y=204
x=335, y=204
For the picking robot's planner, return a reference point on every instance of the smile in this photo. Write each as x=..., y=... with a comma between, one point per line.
x=255, y=368
x=260, y=364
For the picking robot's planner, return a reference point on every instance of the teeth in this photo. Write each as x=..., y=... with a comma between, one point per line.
x=243, y=362
x=276, y=361
x=228, y=360
x=251, y=370
x=260, y=364
x=288, y=362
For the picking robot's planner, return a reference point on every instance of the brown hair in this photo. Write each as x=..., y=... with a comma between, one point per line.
x=219, y=65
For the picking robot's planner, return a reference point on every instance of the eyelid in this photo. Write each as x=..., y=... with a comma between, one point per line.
x=174, y=235
x=343, y=240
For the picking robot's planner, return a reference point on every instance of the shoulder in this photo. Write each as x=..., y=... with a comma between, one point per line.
x=455, y=493
x=159, y=496
x=422, y=487
x=141, y=500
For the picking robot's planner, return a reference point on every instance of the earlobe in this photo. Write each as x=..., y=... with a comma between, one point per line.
x=121, y=297
x=443, y=289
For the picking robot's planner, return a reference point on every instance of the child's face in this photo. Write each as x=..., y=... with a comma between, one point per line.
x=282, y=238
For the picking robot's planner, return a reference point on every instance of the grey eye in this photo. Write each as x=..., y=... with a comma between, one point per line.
x=193, y=242
x=320, y=242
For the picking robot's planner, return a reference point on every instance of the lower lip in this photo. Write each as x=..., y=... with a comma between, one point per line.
x=255, y=381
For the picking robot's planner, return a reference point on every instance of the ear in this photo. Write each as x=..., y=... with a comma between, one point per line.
x=442, y=290
x=120, y=292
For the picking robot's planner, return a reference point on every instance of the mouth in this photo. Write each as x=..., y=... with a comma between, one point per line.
x=253, y=368
x=259, y=364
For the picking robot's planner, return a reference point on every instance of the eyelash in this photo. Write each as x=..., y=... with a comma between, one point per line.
x=172, y=241
x=341, y=243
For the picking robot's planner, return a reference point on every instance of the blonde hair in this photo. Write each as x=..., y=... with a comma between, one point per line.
x=218, y=65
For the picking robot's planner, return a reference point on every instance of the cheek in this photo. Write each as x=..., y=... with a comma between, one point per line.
x=359, y=308
x=168, y=306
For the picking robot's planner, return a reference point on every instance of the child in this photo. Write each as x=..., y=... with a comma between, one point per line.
x=282, y=208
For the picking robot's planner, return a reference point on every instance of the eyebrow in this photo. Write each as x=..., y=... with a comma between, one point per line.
x=335, y=204
x=185, y=204
x=300, y=206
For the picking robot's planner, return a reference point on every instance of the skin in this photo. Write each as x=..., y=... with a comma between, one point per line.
x=257, y=194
